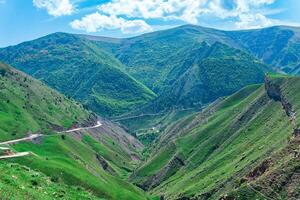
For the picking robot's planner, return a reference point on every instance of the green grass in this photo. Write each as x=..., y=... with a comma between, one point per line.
x=289, y=87
x=20, y=182
x=245, y=129
x=75, y=163
x=26, y=105
x=113, y=153
x=157, y=162
x=277, y=75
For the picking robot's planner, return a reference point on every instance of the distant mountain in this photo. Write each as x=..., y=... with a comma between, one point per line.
x=208, y=72
x=277, y=46
x=79, y=69
x=179, y=68
x=188, y=66
x=151, y=57
x=242, y=144
x=245, y=146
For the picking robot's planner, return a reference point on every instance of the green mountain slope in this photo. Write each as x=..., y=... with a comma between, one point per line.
x=278, y=46
x=19, y=182
x=152, y=57
x=98, y=160
x=28, y=106
x=94, y=69
x=82, y=162
x=150, y=53
x=77, y=68
x=204, y=74
x=209, y=72
x=236, y=148
x=178, y=64
x=159, y=59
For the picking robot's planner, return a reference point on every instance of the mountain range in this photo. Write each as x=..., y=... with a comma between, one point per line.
x=80, y=70
x=186, y=113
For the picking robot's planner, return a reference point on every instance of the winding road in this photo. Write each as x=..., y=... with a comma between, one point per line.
x=31, y=137
x=34, y=136
x=15, y=155
x=81, y=129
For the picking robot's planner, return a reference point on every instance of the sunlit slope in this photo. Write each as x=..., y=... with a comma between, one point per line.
x=28, y=106
x=98, y=160
x=212, y=154
x=79, y=69
x=20, y=182
x=85, y=161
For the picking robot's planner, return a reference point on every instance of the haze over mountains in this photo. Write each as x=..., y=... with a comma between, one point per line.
x=214, y=115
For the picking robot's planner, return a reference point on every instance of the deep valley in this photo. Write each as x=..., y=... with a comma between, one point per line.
x=186, y=113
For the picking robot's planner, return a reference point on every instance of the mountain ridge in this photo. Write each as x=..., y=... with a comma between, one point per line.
x=77, y=68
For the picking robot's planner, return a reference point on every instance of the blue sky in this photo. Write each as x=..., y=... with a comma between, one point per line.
x=23, y=20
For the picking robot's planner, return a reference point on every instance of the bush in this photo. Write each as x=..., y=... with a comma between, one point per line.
x=2, y=72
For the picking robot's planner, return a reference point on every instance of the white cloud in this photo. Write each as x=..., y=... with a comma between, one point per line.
x=261, y=2
x=249, y=21
x=246, y=14
x=55, y=7
x=121, y=14
x=186, y=10
x=96, y=21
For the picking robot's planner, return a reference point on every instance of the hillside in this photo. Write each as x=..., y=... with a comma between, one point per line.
x=278, y=46
x=90, y=159
x=242, y=147
x=116, y=77
x=178, y=65
x=209, y=72
x=97, y=159
x=28, y=106
x=159, y=59
x=192, y=77
x=79, y=69
x=152, y=58
x=19, y=182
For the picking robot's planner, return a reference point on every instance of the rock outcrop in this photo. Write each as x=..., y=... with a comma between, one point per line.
x=275, y=93
x=104, y=164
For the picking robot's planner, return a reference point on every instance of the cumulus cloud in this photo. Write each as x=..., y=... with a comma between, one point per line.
x=245, y=13
x=55, y=7
x=187, y=10
x=122, y=14
x=96, y=21
x=253, y=21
